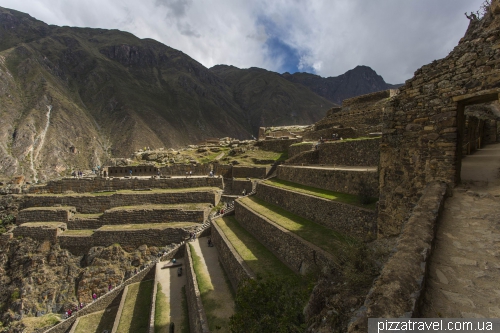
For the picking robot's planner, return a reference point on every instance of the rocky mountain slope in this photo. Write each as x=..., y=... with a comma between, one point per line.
x=358, y=81
x=72, y=98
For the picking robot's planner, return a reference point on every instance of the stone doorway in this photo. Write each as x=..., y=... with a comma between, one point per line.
x=478, y=124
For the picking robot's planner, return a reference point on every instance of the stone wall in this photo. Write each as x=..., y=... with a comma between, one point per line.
x=300, y=255
x=399, y=290
x=197, y=317
x=42, y=214
x=181, y=169
x=92, y=204
x=78, y=245
x=136, y=238
x=346, y=219
x=345, y=181
x=235, y=267
x=424, y=124
x=277, y=145
x=305, y=157
x=39, y=231
x=327, y=133
x=250, y=171
x=298, y=148
x=351, y=153
x=81, y=185
x=156, y=214
x=223, y=170
x=241, y=184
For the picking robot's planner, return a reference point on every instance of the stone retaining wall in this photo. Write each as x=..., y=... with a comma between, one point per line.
x=235, y=267
x=344, y=181
x=197, y=317
x=346, y=219
x=327, y=133
x=92, y=204
x=239, y=185
x=153, y=215
x=42, y=214
x=305, y=157
x=81, y=185
x=300, y=255
x=81, y=244
x=250, y=171
x=278, y=145
x=299, y=148
x=399, y=289
x=41, y=233
x=350, y=153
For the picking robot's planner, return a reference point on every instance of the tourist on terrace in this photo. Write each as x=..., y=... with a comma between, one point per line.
x=94, y=297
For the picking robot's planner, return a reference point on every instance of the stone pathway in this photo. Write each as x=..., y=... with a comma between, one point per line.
x=464, y=279
x=171, y=286
x=221, y=294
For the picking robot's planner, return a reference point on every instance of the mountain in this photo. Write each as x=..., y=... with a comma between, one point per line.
x=268, y=98
x=74, y=97
x=358, y=81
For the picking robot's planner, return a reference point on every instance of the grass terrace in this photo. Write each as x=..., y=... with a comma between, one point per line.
x=323, y=237
x=350, y=199
x=162, y=311
x=148, y=226
x=42, y=224
x=260, y=260
x=218, y=321
x=97, y=322
x=81, y=232
x=135, y=313
x=49, y=208
x=87, y=216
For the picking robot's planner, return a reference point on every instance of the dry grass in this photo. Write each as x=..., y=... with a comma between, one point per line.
x=149, y=226
x=34, y=323
x=42, y=224
x=110, y=193
x=97, y=322
x=82, y=232
x=186, y=206
x=49, y=208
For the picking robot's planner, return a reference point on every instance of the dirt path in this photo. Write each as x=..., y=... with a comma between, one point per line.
x=223, y=302
x=171, y=287
x=464, y=279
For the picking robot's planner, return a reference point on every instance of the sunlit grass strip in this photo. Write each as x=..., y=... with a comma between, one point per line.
x=136, y=310
x=162, y=311
x=260, y=260
x=350, y=199
x=325, y=238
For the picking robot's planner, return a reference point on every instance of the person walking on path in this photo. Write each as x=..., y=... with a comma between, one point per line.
x=94, y=297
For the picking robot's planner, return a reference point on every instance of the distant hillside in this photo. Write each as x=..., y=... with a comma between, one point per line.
x=358, y=81
x=267, y=98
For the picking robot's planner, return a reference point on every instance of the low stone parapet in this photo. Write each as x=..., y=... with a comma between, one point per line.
x=347, y=219
x=399, y=289
x=353, y=181
x=197, y=317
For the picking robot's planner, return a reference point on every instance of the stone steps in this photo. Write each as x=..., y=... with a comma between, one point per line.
x=92, y=203
x=344, y=218
x=351, y=180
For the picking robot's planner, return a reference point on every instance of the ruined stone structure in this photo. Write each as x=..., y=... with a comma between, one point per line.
x=139, y=170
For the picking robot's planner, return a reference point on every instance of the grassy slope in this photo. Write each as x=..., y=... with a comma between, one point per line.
x=326, y=194
x=260, y=260
x=327, y=239
x=97, y=322
x=135, y=313
x=162, y=308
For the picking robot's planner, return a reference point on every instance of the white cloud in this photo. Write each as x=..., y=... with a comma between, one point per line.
x=393, y=37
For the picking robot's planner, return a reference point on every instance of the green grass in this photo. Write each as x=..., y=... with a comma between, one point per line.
x=49, y=208
x=210, y=302
x=149, y=226
x=135, y=313
x=327, y=239
x=110, y=193
x=302, y=144
x=325, y=194
x=97, y=322
x=34, y=323
x=162, y=311
x=260, y=260
x=185, y=314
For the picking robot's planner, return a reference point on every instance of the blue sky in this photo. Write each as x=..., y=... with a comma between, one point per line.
x=325, y=37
